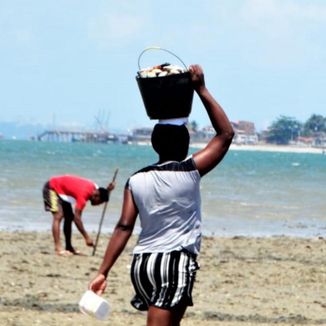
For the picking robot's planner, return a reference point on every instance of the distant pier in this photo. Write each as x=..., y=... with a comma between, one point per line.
x=68, y=136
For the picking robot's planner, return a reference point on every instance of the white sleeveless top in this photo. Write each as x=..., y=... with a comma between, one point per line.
x=168, y=200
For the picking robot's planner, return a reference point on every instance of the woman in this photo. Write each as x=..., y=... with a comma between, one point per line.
x=166, y=197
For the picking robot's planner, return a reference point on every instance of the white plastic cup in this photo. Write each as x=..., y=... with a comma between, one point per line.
x=94, y=305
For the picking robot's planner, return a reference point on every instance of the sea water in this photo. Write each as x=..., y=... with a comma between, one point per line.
x=249, y=193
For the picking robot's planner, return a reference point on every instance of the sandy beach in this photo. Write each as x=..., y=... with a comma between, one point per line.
x=242, y=281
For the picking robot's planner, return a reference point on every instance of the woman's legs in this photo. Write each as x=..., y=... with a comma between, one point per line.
x=163, y=280
x=163, y=317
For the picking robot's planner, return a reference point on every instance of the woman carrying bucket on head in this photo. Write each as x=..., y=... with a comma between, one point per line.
x=166, y=196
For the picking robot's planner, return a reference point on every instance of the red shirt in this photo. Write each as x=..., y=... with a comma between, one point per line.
x=73, y=189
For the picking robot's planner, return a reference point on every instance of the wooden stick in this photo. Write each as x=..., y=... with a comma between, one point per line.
x=103, y=214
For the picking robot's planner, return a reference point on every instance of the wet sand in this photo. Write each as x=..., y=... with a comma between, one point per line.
x=242, y=281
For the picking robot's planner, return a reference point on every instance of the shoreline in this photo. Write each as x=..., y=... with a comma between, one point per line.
x=242, y=281
x=279, y=148
x=254, y=147
x=271, y=148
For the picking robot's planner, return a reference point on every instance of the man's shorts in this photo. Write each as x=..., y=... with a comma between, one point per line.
x=163, y=280
x=53, y=203
x=50, y=199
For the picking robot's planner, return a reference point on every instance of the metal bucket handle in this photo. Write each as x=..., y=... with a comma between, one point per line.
x=159, y=48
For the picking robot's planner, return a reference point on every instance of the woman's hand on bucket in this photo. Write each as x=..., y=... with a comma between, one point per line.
x=197, y=77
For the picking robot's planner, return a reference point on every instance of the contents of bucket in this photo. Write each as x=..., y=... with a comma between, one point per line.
x=162, y=70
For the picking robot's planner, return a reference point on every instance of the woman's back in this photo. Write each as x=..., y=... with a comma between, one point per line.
x=168, y=200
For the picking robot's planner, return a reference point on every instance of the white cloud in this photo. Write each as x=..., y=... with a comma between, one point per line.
x=279, y=10
x=284, y=32
x=15, y=31
x=115, y=27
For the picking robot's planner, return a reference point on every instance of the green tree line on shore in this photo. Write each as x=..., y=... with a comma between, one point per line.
x=285, y=129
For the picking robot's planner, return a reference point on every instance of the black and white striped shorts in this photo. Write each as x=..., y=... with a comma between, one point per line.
x=163, y=280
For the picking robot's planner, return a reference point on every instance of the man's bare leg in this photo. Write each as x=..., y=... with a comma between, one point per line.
x=57, y=217
x=67, y=227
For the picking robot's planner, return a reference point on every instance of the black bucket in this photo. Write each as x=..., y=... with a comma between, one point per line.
x=166, y=97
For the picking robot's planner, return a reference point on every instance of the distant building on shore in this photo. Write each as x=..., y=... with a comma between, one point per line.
x=245, y=133
x=140, y=135
x=320, y=140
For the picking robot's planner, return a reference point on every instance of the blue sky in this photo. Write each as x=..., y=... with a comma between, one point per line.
x=70, y=62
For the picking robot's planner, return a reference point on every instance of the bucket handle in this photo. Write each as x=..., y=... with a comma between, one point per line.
x=159, y=48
